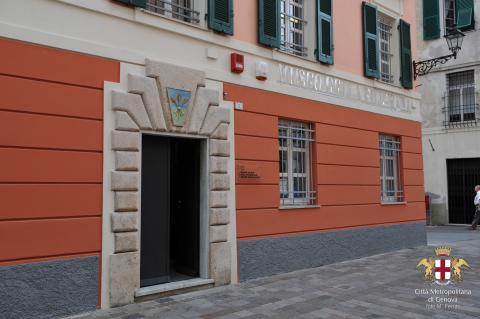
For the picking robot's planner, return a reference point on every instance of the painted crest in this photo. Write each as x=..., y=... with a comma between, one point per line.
x=443, y=268
x=178, y=101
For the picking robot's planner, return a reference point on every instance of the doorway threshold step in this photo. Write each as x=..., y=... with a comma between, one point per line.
x=176, y=286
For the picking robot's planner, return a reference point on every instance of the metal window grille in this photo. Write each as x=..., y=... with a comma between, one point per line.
x=390, y=169
x=292, y=27
x=178, y=9
x=460, y=107
x=385, y=35
x=295, y=154
x=449, y=10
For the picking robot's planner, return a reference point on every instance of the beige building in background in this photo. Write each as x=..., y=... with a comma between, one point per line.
x=450, y=109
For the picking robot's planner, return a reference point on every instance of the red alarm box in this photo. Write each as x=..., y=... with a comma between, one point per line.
x=236, y=65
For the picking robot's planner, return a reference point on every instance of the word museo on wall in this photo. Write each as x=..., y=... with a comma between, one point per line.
x=339, y=88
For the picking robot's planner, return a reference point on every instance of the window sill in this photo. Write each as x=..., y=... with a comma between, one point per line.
x=392, y=203
x=298, y=207
x=390, y=84
x=285, y=53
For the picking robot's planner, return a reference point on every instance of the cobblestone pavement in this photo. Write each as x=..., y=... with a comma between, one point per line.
x=381, y=286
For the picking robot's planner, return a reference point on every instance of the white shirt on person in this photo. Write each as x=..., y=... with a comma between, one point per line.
x=476, y=201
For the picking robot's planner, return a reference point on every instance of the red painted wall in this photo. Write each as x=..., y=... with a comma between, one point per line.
x=51, y=152
x=347, y=166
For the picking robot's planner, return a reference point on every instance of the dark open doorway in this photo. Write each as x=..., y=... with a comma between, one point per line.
x=170, y=216
x=462, y=176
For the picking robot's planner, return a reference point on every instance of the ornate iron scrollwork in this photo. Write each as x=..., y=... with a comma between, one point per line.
x=423, y=67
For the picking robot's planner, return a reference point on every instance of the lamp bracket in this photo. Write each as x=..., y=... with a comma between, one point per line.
x=423, y=67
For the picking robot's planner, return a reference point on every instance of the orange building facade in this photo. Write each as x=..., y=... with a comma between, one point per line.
x=345, y=170
x=141, y=163
x=346, y=167
x=52, y=154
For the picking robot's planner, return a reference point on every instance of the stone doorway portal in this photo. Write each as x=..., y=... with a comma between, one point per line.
x=169, y=101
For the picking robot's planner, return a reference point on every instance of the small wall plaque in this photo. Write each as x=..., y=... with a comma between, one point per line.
x=248, y=174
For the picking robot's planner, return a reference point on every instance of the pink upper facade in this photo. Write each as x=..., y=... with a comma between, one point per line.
x=347, y=28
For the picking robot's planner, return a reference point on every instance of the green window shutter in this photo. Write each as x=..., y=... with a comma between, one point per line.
x=220, y=15
x=405, y=55
x=370, y=41
x=464, y=10
x=324, y=31
x=431, y=19
x=269, y=22
x=135, y=3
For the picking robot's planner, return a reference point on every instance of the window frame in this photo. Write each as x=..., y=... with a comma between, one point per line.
x=386, y=196
x=446, y=12
x=287, y=141
x=389, y=22
x=297, y=49
x=461, y=87
x=308, y=48
x=393, y=20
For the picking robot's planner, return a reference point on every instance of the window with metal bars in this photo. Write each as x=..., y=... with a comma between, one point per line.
x=292, y=27
x=385, y=25
x=177, y=9
x=296, y=171
x=460, y=108
x=390, y=169
x=449, y=10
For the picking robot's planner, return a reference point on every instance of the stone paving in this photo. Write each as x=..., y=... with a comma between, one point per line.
x=381, y=286
x=439, y=235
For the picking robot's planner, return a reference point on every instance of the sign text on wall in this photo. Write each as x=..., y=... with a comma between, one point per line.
x=340, y=88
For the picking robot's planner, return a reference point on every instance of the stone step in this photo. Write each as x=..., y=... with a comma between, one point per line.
x=173, y=288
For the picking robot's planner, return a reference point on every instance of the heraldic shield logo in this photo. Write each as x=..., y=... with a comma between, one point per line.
x=442, y=269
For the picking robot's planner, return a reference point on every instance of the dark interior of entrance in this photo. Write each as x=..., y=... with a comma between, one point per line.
x=462, y=176
x=170, y=216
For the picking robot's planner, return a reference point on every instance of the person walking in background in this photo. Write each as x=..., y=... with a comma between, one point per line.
x=476, y=202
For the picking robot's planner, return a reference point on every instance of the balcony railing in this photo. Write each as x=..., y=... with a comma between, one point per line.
x=176, y=9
